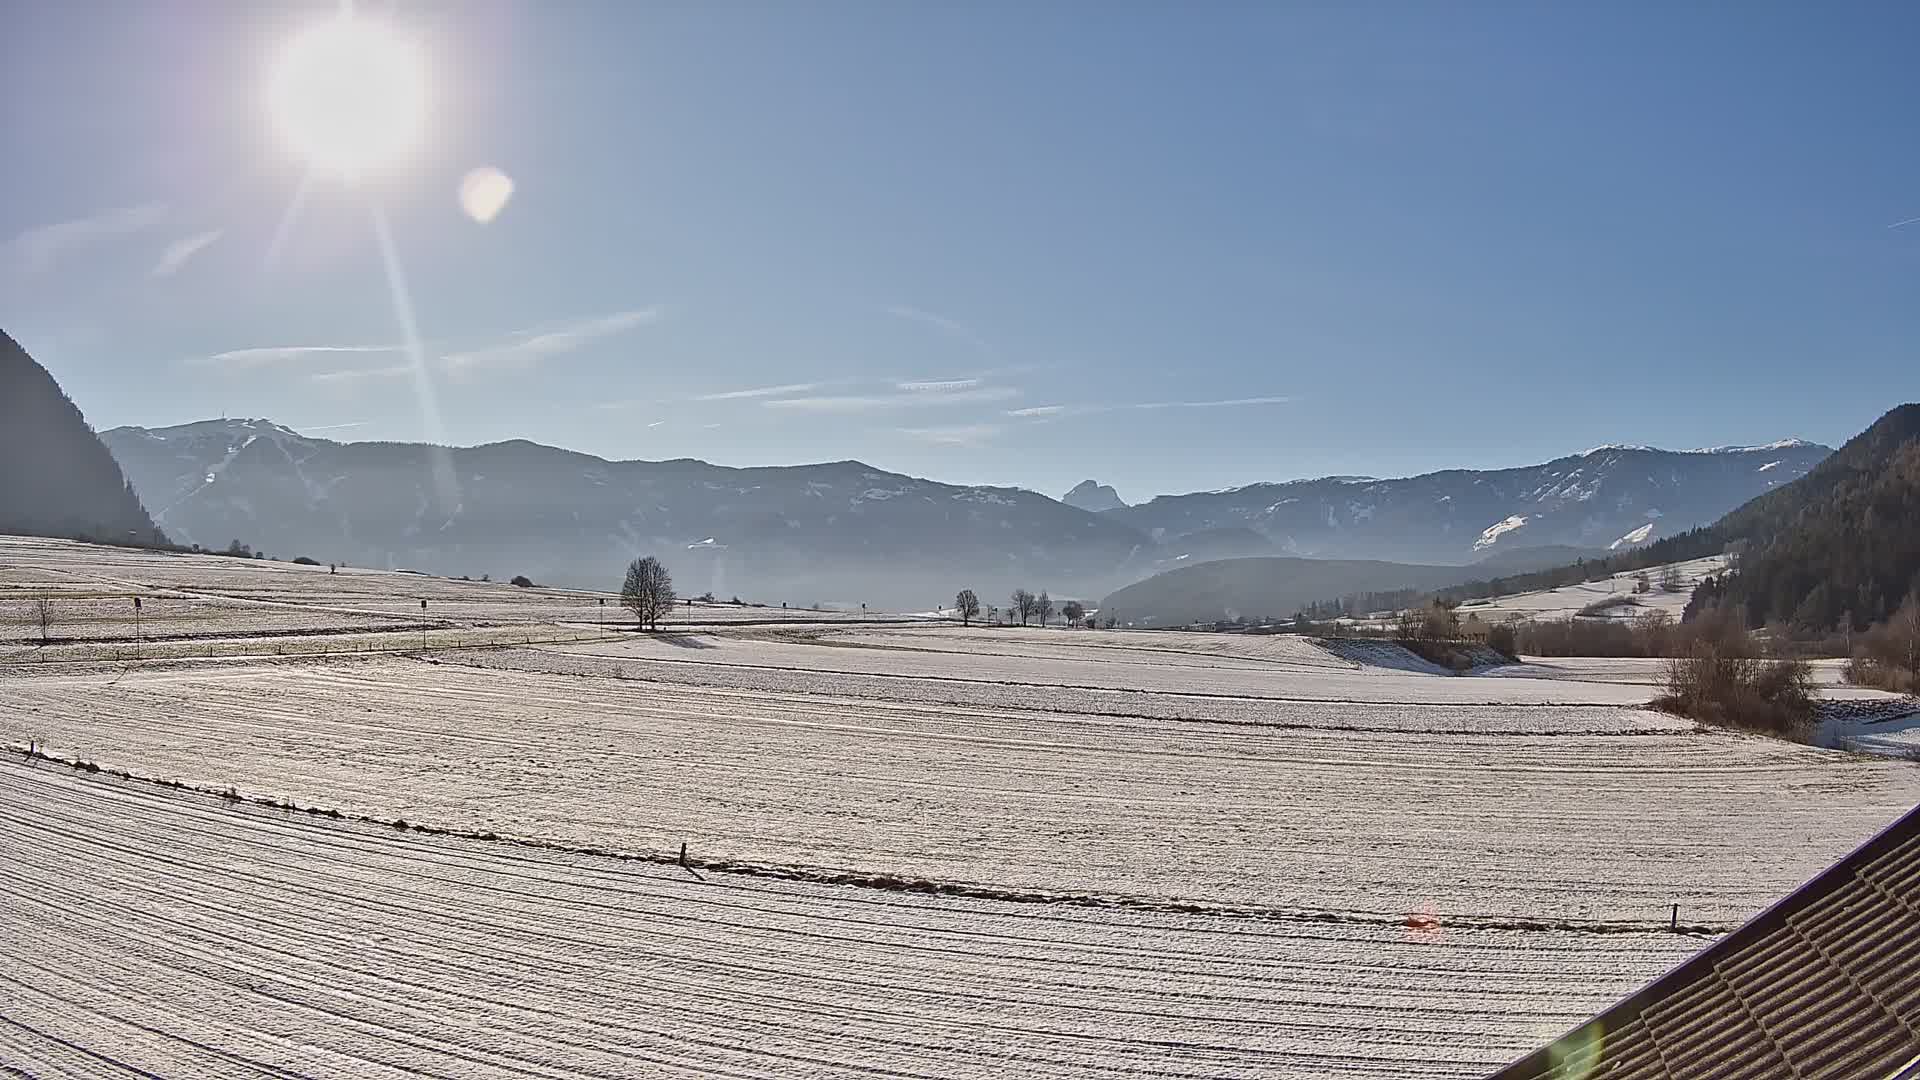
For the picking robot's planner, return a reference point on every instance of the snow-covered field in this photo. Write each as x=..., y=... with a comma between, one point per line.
x=200, y=605
x=1054, y=667
x=1180, y=854
x=1466, y=810
x=150, y=932
x=1567, y=601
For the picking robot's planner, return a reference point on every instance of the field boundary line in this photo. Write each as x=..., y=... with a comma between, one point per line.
x=1198, y=694
x=1276, y=725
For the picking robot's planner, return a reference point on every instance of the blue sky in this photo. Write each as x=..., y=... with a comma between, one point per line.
x=1168, y=246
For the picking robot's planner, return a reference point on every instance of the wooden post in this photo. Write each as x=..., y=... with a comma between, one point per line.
x=1675, y=925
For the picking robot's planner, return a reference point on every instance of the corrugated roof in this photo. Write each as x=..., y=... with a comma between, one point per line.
x=1824, y=985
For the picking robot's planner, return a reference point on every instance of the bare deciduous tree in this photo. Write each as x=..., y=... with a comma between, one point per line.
x=1043, y=607
x=648, y=591
x=1670, y=579
x=1888, y=655
x=967, y=604
x=43, y=617
x=1021, y=605
x=1073, y=612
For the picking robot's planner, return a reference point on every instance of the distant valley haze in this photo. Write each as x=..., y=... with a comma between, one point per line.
x=849, y=532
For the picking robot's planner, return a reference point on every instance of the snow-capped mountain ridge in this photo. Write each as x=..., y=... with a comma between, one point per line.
x=847, y=530
x=1779, y=444
x=1606, y=496
x=829, y=532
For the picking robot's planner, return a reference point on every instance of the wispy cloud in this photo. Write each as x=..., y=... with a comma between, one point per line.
x=287, y=354
x=758, y=392
x=529, y=350
x=37, y=249
x=178, y=252
x=1045, y=412
x=954, y=435
x=357, y=375
x=936, y=386
x=656, y=423
x=854, y=403
x=1228, y=403
x=835, y=403
x=952, y=327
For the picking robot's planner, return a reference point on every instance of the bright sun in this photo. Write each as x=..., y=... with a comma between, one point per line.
x=349, y=96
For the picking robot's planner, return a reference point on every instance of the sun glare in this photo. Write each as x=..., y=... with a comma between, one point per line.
x=349, y=96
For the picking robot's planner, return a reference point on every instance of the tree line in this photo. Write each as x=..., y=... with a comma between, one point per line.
x=1022, y=605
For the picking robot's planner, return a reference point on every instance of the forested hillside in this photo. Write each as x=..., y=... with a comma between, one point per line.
x=1840, y=544
x=56, y=479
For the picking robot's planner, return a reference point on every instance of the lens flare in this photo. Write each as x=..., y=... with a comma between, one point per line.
x=484, y=193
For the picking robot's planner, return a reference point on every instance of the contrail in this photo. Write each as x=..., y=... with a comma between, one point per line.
x=1909, y=221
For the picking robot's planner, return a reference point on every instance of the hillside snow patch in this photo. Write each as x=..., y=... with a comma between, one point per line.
x=1493, y=532
x=1637, y=536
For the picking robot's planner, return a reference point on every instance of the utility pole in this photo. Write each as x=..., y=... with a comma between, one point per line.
x=136, y=628
x=423, y=626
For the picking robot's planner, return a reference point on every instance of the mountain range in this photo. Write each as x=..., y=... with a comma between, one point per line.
x=835, y=533
x=848, y=533
x=1608, y=497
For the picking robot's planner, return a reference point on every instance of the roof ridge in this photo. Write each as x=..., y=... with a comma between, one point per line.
x=1900, y=840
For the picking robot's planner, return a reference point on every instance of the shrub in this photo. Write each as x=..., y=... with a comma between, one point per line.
x=302, y=560
x=1716, y=685
x=522, y=581
x=1444, y=653
x=1888, y=655
x=1505, y=640
x=1608, y=603
x=1865, y=670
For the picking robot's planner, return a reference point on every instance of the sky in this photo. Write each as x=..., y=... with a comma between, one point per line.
x=1167, y=246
